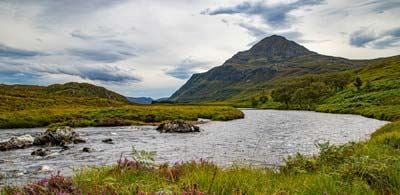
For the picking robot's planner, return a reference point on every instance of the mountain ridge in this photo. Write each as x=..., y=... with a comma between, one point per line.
x=271, y=58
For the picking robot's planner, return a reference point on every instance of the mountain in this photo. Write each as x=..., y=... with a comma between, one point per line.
x=140, y=100
x=272, y=58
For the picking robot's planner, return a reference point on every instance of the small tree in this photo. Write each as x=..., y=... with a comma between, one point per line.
x=358, y=83
x=282, y=95
x=254, y=102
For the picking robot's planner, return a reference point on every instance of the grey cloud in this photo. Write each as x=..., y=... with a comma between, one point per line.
x=10, y=52
x=185, y=68
x=381, y=6
x=253, y=30
x=105, y=48
x=104, y=73
x=107, y=74
x=101, y=55
x=361, y=37
x=367, y=38
x=276, y=15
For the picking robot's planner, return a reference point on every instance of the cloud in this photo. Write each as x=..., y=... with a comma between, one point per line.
x=104, y=47
x=369, y=38
x=101, y=55
x=186, y=68
x=381, y=6
x=275, y=15
x=10, y=52
x=18, y=69
x=253, y=30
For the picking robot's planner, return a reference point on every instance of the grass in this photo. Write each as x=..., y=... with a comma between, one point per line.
x=370, y=167
x=82, y=116
x=82, y=104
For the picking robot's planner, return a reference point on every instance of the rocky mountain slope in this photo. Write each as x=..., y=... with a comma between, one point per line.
x=272, y=58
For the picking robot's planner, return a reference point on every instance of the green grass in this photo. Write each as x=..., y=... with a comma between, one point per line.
x=370, y=167
x=81, y=105
x=81, y=116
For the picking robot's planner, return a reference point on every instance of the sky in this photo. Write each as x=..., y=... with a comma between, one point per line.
x=151, y=48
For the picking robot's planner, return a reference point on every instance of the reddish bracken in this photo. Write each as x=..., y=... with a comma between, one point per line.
x=56, y=184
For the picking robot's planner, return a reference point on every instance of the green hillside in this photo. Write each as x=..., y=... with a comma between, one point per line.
x=377, y=94
x=82, y=104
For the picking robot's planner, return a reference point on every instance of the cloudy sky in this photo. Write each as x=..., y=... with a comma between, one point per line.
x=150, y=48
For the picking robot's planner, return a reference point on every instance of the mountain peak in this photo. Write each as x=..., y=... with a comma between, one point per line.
x=272, y=48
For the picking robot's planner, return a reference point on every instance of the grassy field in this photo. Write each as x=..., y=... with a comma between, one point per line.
x=82, y=116
x=81, y=105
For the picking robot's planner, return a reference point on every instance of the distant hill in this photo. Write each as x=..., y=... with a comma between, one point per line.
x=140, y=100
x=272, y=58
x=74, y=89
x=21, y=97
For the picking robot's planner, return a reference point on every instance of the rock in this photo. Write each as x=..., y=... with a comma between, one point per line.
x=2, y=176
x=108, y=141
x=79, y=141
x=177, y=126
x=58, y=137
x=45, y=168
x=19, y=174
x=40, y=152
x=16, y=142
x=203, y=120
x=65, y=148
x=86, y=149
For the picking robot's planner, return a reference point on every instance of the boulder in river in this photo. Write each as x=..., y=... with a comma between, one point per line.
x=86, y=149
x=58, y=137
x=40, y=152
x=16, y=142
x=2, y=176
x=108, y=141
x=177, y=126
x=44, y=169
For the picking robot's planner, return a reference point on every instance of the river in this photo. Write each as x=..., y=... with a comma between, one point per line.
x=263, y=137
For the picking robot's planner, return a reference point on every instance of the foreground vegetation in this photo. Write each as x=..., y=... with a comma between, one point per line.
x=371, y=167
x=81, y=105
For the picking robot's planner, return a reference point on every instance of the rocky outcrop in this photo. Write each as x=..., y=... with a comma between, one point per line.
x=177, y=126
x=17, y=142
x=58, y=137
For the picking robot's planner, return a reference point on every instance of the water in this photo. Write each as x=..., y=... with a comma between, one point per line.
x=263, y=137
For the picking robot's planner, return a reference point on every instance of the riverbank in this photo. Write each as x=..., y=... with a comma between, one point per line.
x=118, y=115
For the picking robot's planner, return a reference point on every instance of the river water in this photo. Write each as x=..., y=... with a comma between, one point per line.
x=263, y=137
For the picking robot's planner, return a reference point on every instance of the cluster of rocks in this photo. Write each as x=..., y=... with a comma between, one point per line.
x=58, y=137
x=17, y=142
x=177, y=126
x=61, y=136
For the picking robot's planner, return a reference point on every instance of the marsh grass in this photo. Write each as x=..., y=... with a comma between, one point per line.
x=82, y=116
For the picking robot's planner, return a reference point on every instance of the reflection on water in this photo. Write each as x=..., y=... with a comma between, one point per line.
x=263, y=137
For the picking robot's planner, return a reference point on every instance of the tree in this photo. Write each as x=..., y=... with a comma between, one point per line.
x=254, y=102
x=358, y=83
x=282, y=94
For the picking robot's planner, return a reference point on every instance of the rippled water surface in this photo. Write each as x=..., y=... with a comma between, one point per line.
x=263, y=137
